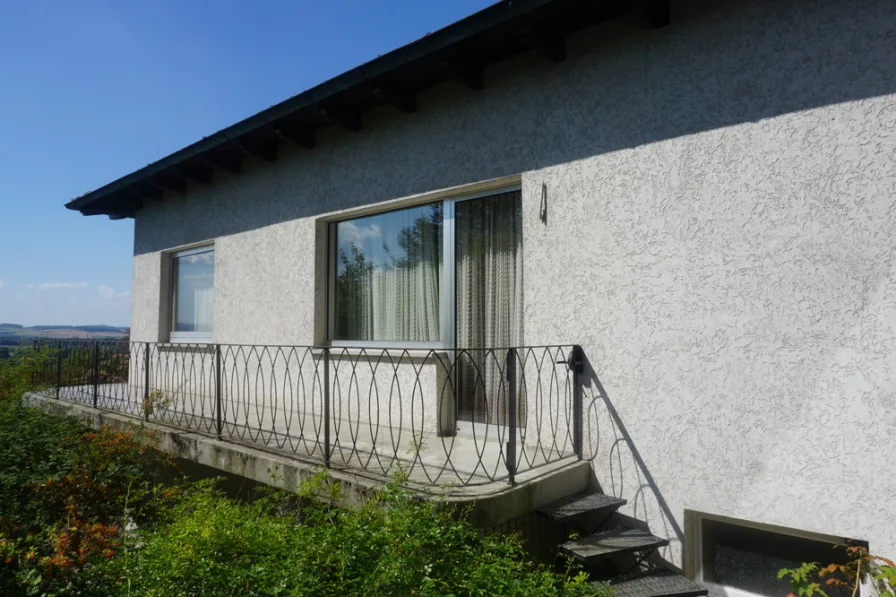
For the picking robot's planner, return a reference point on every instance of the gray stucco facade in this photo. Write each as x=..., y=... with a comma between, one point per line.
x=719, y=239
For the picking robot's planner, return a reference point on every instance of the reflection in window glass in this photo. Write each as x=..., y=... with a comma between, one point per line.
x=749, y=559
x=388, y=275
x=193, y=278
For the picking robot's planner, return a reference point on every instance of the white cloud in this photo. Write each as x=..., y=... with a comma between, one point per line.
x=351, y=234
x=61, y=285
x=107, y=292
x=207, y=258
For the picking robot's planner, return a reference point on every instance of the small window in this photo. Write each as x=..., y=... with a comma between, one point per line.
x=387, y=281
x=192, y=294
x=740, y=559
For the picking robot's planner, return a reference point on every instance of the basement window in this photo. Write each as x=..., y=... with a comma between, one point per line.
x=192, y=294
x=741, y=559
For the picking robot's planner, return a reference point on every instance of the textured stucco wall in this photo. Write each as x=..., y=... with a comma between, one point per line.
x=719, y=239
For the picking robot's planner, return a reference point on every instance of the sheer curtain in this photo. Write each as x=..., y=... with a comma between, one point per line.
x=203, y=307
x=403, y=302
x=489, y=298
x=388, y=276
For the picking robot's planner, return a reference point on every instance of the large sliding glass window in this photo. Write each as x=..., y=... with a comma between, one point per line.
x=388, y=272
x=192, y=294
x=442, y=274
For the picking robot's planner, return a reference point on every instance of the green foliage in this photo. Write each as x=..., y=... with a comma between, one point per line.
x=65, y=496
x=34, y=447
x=85, y=513
x=280, y=545
x=22, y=372
x=155, y=401
x=861, y=566
x=64, y=490
x=802, y=580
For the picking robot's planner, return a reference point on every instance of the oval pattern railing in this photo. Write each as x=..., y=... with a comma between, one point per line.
x=445, y=417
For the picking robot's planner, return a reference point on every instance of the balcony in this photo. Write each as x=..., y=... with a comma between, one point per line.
x=447, y=418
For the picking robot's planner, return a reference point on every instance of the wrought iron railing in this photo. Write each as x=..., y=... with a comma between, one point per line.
x=446, y=417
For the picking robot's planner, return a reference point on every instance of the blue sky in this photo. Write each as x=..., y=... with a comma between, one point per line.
x=92, y=90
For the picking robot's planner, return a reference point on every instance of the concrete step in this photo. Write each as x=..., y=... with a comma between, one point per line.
x=656, y=583
x=610, y=543
x=586, y=502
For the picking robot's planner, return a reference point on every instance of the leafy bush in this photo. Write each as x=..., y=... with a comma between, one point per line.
x=393, y=545
x=809, y=579
x=65, y=490
x=85, y=513
x=65, y=495
x=22, y=372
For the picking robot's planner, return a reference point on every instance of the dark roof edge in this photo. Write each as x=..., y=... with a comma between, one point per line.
x=483, y=20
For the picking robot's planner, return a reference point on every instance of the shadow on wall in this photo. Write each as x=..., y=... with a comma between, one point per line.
x=621, y=87
x=620, y=469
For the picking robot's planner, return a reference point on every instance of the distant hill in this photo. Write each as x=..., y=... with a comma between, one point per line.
x=12, y=333
x=81, y=328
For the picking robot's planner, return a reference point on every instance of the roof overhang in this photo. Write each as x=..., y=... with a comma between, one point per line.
x=459, y=51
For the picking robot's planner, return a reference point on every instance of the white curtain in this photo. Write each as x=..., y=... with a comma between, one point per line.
x=401, y=303
x=489, y=286
x=203, y=308
x=388, y=278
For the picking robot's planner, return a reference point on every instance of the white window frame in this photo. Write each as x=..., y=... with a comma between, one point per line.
x=695, y=537
x=185, y=337
x=447, y=299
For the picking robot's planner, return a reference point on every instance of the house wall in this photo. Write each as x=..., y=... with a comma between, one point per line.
x=718, y=238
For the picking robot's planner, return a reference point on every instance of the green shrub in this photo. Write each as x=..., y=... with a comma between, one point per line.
x=26, y=370
x=85, y=513
x=64, y=491
x=393, y=545
x=810, y=579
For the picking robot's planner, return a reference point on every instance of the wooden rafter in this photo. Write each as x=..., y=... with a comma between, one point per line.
x=348, y=118
x=406, y=101
x=298, y=134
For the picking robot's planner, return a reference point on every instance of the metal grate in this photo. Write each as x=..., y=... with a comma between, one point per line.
x=656, y=583
x=581, y=503
x=615, y=541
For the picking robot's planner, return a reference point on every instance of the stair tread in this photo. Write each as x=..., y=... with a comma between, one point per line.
x=619, y=540
x=656, y=583
x=580, y=503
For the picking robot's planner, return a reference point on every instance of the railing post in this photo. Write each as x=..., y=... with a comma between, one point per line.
x=577, y=364
x=219, y=420
x=58, y=369
x=327, y=406
x=146, y=349
x=143, y=406
x=511, y=415
x=96, y=371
